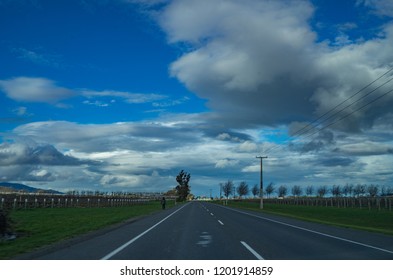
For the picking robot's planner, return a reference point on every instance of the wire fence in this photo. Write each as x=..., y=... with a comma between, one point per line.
x=379, y=203
x=29, y=201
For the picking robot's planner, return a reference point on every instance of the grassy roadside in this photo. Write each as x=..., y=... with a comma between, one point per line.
x=363, y=219
x=39, y=227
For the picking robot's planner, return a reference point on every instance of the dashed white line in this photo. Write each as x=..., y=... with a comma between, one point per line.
x=258, y=256
x=221, y=222
x=211, y=214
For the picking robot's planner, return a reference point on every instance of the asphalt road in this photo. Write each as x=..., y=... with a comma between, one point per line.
x=203, y=231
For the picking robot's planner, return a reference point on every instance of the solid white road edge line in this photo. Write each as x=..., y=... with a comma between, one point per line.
x=312, y=231
x=258, y=256
x=114, y=252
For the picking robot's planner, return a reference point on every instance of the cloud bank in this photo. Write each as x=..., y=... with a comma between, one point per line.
x=265, y=71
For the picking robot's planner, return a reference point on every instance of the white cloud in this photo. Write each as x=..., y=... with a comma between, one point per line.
x=224, y=163
x=380, y=7
x=133, y=98
x=138, y=156
x=38, y=57
x=96, y=103
x=252, y=168
x=366, y=148
x=262, y=70
x=20, y=111
x=248, y=146
x=28, y=89
x=34, y=90
x=261, y=60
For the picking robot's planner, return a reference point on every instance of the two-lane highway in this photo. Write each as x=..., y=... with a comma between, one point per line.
x=202, y=230
x=192, y=232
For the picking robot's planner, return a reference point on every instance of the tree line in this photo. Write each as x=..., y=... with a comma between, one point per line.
x=349, y=190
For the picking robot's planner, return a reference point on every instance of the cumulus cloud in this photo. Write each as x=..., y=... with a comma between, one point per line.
x=28, y=89
x=224, y=163
x=28, y=161
x=32, y=89
x=129, y=153
x=124, y=156
x=144, y=136
x=261, y=60
x=264, y=72
x=380, y=7
x=24, y=154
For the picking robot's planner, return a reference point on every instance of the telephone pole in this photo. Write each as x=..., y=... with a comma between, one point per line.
x=261, y=182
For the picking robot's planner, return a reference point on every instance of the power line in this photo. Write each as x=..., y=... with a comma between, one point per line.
x=301, y=131
x=351, y=113
x=353, y=95
x=349, y=105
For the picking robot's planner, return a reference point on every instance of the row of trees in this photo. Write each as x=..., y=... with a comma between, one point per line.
x=228, y=188
x=349, y=190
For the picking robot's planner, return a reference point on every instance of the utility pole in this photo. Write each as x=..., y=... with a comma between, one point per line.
x=261, y=182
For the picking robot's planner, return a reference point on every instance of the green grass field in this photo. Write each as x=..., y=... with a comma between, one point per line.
x=363, y=219
x=39, y=227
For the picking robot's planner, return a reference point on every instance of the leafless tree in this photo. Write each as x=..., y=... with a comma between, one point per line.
x=270, y=189
x=255, y=190
x=372, y=190
x=322, y=191
x=336, y=191
x=359, y=190
x=309, y=191
x=282, y=191
x=227, y=188
x=242, y=189
x=347, y=190
x=296, y=191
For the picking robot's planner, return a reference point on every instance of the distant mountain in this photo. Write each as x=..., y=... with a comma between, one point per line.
x=20, y=187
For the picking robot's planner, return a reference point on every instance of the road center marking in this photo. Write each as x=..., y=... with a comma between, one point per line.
x=221, y=222
x=205, y=239
x=122, y=247
x=258, y=256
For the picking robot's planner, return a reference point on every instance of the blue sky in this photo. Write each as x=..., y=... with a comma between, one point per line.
x=122, y=95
